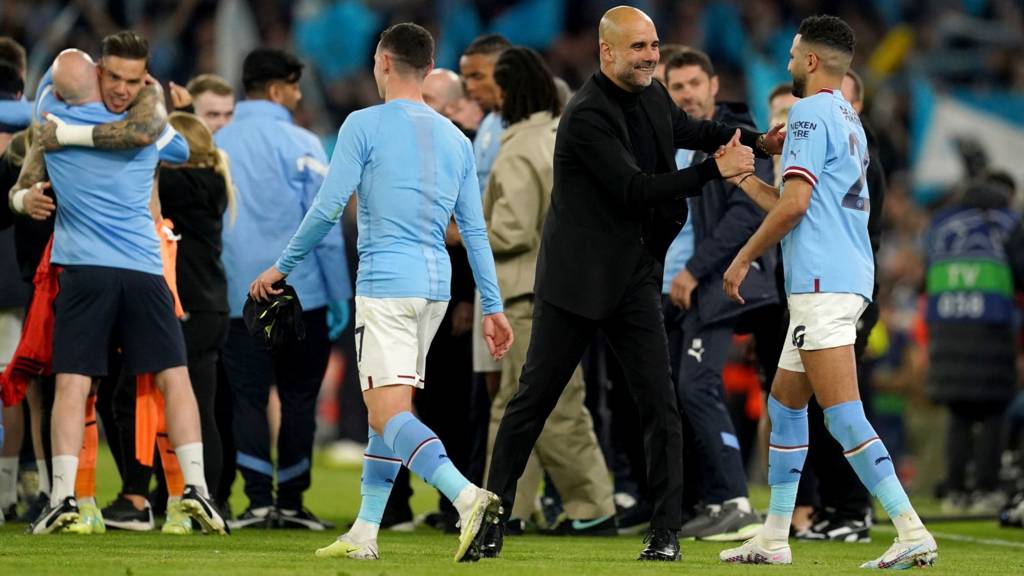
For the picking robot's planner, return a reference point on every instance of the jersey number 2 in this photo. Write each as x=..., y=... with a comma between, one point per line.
x=853, y=199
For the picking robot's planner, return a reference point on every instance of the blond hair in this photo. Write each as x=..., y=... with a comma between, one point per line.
x=209, y=83
x=203, y=153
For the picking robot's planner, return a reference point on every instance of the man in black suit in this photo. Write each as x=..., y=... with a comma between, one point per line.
x=617, y=203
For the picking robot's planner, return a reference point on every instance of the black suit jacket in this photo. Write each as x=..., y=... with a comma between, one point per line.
x=609, y=220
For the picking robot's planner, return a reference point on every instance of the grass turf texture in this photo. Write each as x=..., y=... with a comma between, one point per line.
x=968, y=548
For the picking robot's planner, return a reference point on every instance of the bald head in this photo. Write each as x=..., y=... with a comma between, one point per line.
x=442, y=89
x=74, y=77
x=619, y=19
x=629, y=47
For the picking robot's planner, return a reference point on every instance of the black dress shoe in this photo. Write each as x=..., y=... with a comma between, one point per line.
x=494, y=537
x=660, y=544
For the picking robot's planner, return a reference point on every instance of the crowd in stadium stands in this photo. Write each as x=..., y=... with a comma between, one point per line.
x=918, y=356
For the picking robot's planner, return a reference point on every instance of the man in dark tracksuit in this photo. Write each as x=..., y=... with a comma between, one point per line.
x=842, y=506
x=700, y=319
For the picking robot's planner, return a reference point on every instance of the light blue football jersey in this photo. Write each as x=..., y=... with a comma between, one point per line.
x=411, y=170
x=829, y=250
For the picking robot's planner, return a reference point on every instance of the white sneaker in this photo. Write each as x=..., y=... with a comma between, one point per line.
x=346, y=547
x=905, y=554
x=753, y=552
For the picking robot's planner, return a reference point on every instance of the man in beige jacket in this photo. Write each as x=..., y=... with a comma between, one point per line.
x=515, y=202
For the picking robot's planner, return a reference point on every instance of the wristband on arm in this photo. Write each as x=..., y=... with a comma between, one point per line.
x=18, y=201
x=71, y=134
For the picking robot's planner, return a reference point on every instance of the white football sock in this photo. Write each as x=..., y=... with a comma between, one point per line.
x=44, y=476
x=190, y=458
x=464, y=501
x=64, y=470
x=909, y=526
x=363, y=531
x=775, y=533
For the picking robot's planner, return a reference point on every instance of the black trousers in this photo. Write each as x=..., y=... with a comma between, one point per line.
x=698, y=353
x=964, y=446
x=637, y=336
x=224, y=414
x=298, y=371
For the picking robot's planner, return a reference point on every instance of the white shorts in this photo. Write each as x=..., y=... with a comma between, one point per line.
x=393, y=336
x=819, y=321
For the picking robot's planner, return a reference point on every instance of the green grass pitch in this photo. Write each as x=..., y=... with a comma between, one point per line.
x=965, y=548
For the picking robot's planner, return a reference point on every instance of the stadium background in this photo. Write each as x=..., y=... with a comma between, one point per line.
x=944, y=86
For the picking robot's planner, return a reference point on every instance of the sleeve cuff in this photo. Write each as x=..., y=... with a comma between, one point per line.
x=802, y=173
x=282, y=268
x=708, y=170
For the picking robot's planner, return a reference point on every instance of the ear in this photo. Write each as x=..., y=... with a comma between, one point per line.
x=812, y=62
x=714, y=86
x=606, y=50
x=274, y=92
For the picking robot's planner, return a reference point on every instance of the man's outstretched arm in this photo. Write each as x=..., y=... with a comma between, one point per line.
x=146, y=119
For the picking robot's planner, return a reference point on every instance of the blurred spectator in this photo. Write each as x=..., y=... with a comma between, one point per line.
x=443, y=91
x=972, y=347
x=515, y=205
x=209, y=97
x=277, y=168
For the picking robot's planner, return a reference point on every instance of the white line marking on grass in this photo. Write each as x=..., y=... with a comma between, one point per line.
x=961, y=538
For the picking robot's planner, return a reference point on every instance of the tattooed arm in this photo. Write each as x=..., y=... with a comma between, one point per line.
x=27, y=196
x=146, y=119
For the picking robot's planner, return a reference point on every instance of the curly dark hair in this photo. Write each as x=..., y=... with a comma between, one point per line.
x=829, y=31
x=526, y=83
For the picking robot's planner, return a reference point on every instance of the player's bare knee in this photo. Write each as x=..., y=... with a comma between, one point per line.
x=791, y=389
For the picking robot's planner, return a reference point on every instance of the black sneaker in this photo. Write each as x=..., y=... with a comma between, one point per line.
x=660, y=544
x=264, y=517
x=515, y=527
x=35, y=508
x=9, y=514
x=829, y=527
x=303, y=519
x=53, y=519
x=603, y=526
x=123, y=515
x=202, y=509
x=730, y=524
x=696, y=525
x=634, y=519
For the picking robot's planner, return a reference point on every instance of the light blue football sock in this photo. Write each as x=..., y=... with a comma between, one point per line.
x=380, y=467
x=423, y=453
x=865, y=451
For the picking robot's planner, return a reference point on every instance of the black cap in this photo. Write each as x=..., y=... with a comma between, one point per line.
x=264, y=65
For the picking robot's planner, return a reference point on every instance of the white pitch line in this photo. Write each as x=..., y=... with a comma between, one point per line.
x=961, y=538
